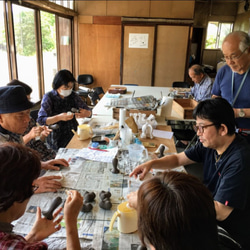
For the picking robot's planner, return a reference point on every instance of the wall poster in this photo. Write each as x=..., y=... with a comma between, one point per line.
x=137, y=40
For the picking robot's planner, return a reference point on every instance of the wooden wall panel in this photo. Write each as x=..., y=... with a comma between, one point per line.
x=137, y=62
x=92, y=8
x=128, y=8
x=211, y=57
x=172, y=9
x=171, y=52
x=99, y=53
x=164, y=9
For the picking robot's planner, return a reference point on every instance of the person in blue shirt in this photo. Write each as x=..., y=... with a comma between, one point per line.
x=226, y=160
x=56, y=108
x=232, y=80
x=202, y=83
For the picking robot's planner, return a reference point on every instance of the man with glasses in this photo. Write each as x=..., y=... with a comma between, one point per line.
x=226, y=173
x=232, y=80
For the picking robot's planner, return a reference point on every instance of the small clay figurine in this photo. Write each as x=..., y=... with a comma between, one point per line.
x=162, y=149
x=147, y=131
x=105, y=204
x=103, y=195
x=87, y=207
x=115, y=170
x=54, y=204
x=89, y=197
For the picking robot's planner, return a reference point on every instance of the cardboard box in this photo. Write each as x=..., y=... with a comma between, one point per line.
x=184, y=107
x=128, y=111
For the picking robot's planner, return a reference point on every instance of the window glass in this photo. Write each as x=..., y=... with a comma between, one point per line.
x=4, y=71
x=68, y=4
x=25, y=41
x=48, y=28
x=212, y=31
x=225, y=29
x=216, y=33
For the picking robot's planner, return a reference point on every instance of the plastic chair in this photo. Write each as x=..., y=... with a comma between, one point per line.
x=180, y=85
x=84, y=80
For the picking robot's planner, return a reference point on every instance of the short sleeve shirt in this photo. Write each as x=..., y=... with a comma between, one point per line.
x=223, y=87
x=229, y=182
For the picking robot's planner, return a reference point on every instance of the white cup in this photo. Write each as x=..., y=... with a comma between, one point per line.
x=84, y=132
x=127, y=219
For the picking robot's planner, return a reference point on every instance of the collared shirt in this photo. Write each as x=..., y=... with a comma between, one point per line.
x=201, y=91
x=7, y=136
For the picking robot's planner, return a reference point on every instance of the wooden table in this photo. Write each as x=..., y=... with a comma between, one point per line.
x=77, y=144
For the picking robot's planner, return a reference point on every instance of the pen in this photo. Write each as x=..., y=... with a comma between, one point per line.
x=98, y=149
x=133, y=94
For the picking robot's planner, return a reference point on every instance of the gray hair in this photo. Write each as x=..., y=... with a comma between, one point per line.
x=243, y=37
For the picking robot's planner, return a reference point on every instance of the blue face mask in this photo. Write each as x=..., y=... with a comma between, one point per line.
x=65, y=92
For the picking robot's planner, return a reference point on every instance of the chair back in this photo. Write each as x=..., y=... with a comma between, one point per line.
x=85, y=79
x=180, y=85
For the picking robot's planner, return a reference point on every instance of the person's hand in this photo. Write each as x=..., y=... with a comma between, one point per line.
x=51, y=164
x=141, y=170
x=48, y=184
x=132, y=199
x=35, y=132
x=46, y=131
x=43, y=227
x=83, y=113
x=65, y=116
x=72, y=206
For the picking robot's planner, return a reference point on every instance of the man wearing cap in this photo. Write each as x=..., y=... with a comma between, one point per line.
x=14, y=119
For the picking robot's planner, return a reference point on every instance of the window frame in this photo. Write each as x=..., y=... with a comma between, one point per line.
x=37, y=6
x=220, y=23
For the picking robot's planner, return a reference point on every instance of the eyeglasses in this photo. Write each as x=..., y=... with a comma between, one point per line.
x=200, y=128
x=34, y=188
x=234, y=58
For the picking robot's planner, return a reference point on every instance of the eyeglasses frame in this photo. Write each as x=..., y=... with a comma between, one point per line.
x=234, y=58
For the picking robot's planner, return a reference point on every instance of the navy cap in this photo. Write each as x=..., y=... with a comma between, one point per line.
x=13, y=99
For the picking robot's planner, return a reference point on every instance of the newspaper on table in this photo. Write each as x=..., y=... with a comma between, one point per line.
x=92, y=176
x=148, y=102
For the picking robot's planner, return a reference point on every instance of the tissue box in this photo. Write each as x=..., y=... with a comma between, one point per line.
x=184, y=107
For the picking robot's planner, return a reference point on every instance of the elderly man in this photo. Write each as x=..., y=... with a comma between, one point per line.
x=232, y=80
x=14, y=119
x=226, y=159
x=202, y=83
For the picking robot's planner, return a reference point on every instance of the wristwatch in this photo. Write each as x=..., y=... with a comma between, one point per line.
x=241, y=113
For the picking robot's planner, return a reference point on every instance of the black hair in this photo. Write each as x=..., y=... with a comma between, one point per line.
x=63, y=77
x=218, y=111
x=197, y=69
x=26, y=87
x=19, y=167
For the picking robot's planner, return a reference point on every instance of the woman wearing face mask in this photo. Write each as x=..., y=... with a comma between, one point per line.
x=55, y=108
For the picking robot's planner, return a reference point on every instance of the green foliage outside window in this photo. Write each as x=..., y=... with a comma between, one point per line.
x=25, y=35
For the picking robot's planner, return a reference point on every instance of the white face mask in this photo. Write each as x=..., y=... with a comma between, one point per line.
x=65, y=92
